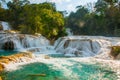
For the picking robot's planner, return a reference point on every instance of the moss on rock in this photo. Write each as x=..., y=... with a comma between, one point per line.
x=115, y=52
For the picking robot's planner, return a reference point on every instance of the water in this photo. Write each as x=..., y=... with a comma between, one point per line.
x=6, y=26
x=6, y=53
x=77, y=71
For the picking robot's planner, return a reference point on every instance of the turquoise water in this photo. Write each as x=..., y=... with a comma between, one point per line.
x=6, y=53
x=77, y=71
x=57, y=55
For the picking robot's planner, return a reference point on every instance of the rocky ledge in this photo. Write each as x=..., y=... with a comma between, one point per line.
x=16, y=58
x=115, y=52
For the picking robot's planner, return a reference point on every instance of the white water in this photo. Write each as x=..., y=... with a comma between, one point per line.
x=24, y=42
x=85, y=46
x=6, y=26
x=68, y=31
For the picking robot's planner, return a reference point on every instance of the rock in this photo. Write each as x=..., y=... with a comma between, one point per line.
x=1, y=27
x=9, y=45
x=16, y=58
x=77, y=53
x=46, y=57
x=1, y=67
x=115, y=52
x=0, y=78
x=118, y=57
x=66, y=43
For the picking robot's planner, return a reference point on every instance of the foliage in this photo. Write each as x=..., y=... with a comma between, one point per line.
x=40, y=18
x=2, y=14
x=76, y=21
x=104, y=19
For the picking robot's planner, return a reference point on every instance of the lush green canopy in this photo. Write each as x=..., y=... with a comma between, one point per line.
x=40, y=18
x=104, y=19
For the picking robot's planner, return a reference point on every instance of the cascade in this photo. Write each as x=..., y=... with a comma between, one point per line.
x=22, y=42
x=5, y=26
x=68, y=31
x=12, y=40
x=82, y=46
x=85, y=46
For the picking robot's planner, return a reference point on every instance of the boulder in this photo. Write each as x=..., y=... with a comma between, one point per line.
x=115, y=52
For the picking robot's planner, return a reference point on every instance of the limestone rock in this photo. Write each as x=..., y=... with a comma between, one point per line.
x=115, y=52
x=1, y=67
x=0, y=78
x=16, y=58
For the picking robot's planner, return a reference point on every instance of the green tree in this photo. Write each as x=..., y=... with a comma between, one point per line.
x=42, y=18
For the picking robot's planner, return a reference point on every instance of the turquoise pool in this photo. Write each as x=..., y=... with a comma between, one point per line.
x=78, y=71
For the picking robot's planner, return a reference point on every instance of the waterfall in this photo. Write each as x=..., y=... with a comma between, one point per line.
x=85, y=46
x=5, y=26
x=23, y=42
x=10, y=40
x=68, y=31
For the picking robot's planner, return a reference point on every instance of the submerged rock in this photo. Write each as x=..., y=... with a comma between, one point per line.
x=43, y=75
